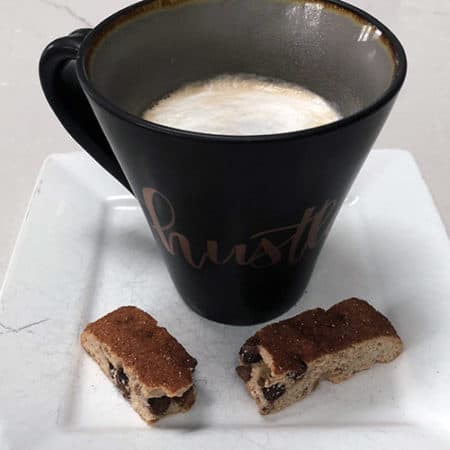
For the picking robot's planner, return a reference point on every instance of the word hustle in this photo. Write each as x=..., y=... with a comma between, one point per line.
x=263, y=249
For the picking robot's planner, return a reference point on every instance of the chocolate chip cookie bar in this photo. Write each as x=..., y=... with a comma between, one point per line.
x=149, y=366
x=285, y=361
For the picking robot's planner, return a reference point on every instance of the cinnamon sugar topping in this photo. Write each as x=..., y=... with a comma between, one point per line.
x=313, y=333
x=155, y=356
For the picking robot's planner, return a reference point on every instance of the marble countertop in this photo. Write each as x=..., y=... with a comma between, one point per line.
x=420, y=121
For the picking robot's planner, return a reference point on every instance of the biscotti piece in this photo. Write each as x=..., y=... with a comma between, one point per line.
x=149, y=366
x=285, y=361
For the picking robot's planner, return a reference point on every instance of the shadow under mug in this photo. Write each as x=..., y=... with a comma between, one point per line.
x=240, y=220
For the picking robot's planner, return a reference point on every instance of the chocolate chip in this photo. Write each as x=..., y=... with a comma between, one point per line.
x=299, y=372
x=244, y=372
x=112, y=370
x=122, y=382
x=249, y=353
x=122, y=377
x=273, y=392
x=186, y=400
x=158, y=405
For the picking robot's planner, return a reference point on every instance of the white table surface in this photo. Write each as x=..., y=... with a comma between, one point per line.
x=29, y=131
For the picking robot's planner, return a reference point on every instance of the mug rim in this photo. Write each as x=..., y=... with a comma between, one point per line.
x=104, y=28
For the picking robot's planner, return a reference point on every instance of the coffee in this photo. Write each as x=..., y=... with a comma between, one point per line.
x=242, y=105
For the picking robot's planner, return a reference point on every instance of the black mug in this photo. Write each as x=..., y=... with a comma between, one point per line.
x=240, y=220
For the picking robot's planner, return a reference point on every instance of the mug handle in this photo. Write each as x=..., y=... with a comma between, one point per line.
x=59, y=81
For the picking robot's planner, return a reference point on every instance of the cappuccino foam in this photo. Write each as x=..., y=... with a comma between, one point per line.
x=242, y=105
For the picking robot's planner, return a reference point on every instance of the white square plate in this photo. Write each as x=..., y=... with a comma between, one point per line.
x=85, y=249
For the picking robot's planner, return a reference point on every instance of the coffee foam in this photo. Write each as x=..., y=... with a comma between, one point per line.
x=240, y=105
